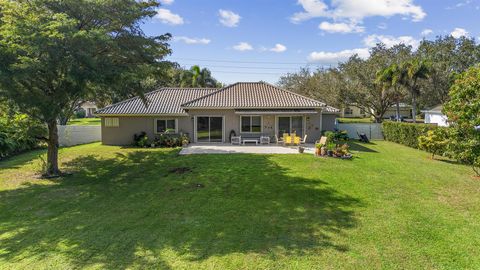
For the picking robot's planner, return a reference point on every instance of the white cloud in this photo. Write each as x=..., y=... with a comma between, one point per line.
x=167, y=17
x=229, y=18
x=341, y=27
x=391, y=41
x=278, y=48
x=382, y=26
x=335, y=57
x=459, y=32
x=243, y=46
x=167, y=2
x=426, y=32
x=188, y=40
x=357, y=10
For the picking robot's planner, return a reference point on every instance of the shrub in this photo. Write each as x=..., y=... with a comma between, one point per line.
x=463, y=111
x=405, y=133
x=171, y=140
x=140, y=140
x=19, y=133
x=435, y=141
x=80, y=113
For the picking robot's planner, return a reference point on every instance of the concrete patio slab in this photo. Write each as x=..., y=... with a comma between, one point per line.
x=199, y=148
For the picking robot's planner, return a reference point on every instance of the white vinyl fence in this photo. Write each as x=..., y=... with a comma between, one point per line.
x=372, y=130
x=73, y=135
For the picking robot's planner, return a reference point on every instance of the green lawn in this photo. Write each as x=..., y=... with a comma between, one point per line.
x=84, y=122
x=391, y=207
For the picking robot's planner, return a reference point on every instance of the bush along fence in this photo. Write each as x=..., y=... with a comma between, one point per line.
x=406, y=133
x=18, y=133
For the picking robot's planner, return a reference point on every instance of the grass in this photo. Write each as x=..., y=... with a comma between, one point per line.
x=84, y=122
x=355, y=120
x=391, y=207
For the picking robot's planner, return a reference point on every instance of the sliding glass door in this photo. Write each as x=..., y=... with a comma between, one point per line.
x=290, y=124
x=209, y=129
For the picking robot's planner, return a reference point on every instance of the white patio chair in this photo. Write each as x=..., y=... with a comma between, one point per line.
x=304, y=140
x=278, y=140
x=236, y=140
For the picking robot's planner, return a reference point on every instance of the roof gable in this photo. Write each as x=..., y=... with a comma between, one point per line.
x=161, y=101
x=253, y=95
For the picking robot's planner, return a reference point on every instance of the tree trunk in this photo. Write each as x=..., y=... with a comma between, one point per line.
x=414, y=107
x=398, y=111
x=52, y=153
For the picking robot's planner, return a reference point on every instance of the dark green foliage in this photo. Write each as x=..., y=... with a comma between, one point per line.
x=463, y=111
x=55, y=53
x=80, y=113
x=170, y=140
x=18, y=133
x=140, y=140
x=405, y=133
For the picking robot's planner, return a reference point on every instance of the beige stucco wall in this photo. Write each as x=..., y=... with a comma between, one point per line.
x=129, y=125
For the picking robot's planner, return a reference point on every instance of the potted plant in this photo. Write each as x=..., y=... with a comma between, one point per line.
x=318, y=147
x=323, y=151
x=330, y=148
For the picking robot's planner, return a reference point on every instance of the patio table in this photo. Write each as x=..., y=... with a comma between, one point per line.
x=250, y=141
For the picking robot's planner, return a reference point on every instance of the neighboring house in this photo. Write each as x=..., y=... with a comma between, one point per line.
x=352, y=111
x=435, y=116
x=89, y=107
x=405, y=111
x=212, y=115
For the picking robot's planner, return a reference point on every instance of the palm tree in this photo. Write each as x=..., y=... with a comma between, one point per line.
x=411, y=72
x=391, y=77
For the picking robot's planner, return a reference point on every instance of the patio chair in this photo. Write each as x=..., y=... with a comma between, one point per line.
x=236, y=140
x=304, y=140
x=287, y=140
x=296, y=140
x=323, y=140
x=279, y=140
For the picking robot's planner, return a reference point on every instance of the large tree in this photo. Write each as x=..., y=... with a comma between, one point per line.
x=463, y=112
x=362, y=87
x=54, y=53
x=448, y=57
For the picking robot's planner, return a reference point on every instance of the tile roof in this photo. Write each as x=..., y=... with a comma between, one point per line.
x=161, y=101
x=254, y=95
x=174, y=101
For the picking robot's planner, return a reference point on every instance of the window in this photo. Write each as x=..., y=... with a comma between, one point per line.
x=251, y=124
x=165, y=125
x=348, y=110
x=290, y=124
x=111, y=122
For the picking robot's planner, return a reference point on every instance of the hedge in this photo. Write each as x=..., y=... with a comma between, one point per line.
x=405, y=133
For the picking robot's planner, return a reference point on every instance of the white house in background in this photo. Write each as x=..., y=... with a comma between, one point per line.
x=89, y=107
x=435, y=116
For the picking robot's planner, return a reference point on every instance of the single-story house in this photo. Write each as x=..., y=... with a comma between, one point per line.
x=352, y=111
x=89, y=107
x=248, y=109
x=435, y=116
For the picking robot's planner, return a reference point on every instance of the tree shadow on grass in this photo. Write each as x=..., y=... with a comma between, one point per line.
x=361, y=147
x=125, y=211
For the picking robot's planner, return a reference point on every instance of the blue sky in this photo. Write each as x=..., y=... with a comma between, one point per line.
x=253, y=40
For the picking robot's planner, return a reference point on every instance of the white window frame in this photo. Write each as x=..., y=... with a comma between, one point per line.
x=252, y=132
x=111, y=122
x=164, y=119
